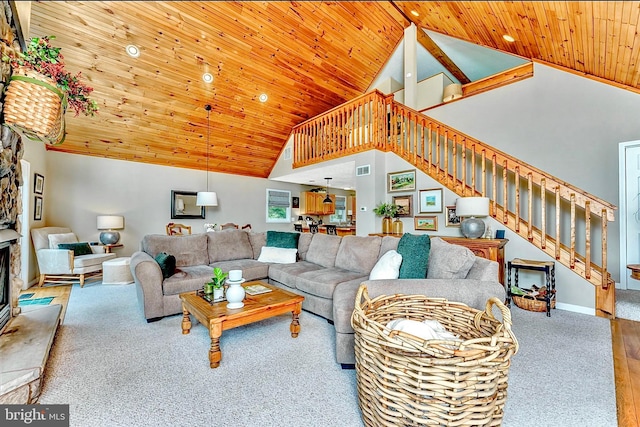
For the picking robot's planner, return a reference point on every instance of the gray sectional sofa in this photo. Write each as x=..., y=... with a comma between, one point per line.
x=328, y=273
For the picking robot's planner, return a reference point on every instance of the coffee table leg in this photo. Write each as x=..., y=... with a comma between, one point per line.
x=295, y=324
x=186, y=321
x=215, y=355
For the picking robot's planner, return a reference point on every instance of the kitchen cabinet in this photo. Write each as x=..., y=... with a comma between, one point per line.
x=351, y=207
x=312, y=204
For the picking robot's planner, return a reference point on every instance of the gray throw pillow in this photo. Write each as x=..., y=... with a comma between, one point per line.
x=449, y=261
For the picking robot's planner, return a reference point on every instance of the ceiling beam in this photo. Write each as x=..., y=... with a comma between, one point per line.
x=435, y=51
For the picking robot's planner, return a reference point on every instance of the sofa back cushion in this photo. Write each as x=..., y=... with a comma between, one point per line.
x=304, y=241
x=358, y=253
x=388, y=243
x=56, y=239
x=449, y=261
x=257, y=240
x=229, y=245
x=189, y=249
x=40, y=236
x=323, y=249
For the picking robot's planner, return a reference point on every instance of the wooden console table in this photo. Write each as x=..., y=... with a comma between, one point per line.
x=491, y=249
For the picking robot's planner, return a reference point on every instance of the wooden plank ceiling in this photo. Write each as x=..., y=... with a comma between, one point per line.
x=306, y=56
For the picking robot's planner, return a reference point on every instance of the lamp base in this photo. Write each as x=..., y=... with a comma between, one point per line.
x=472, y=227
x=109, y=237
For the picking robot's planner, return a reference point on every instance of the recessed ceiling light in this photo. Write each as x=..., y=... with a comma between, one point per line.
x=207, y=77
x=133, y=51
x=414, y=13
x=263, y=97
x=508, y=38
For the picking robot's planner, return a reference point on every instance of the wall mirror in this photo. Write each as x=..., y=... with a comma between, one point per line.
x=183, y=205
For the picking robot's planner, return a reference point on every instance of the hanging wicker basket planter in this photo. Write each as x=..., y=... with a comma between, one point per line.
x=34, y=107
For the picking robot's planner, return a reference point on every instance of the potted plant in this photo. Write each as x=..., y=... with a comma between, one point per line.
x=386, y=211
x=40, y=89
x=216, y=284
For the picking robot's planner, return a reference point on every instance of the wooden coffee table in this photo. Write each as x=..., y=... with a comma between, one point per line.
x=256, y=307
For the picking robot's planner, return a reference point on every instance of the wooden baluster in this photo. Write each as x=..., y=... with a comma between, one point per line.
x=445, y=152
x=463, y=150
x=454, y=159
x=494, y=182
x=414, y=138
x=484, y=174
x=543, y=214
x=517, y=209
x=604, y=279
x=430, y=147
x=587, y=239
x=557, y=191
x=437, y=163
x=422, y=150
x=530, y=201
x=505, y=216
x=572, y=249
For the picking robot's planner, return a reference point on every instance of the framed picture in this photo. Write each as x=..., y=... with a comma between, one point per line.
x=401, y=181
x=427, y=223
x=431, y=200
x=37, y=209
x=295, y=202
x=38, y=184
x=406, y=205
x=452, y=220
x=183, y=205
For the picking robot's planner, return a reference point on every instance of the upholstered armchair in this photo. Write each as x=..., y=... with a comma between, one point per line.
x=66, y=266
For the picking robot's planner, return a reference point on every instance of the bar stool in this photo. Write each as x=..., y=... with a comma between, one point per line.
x=549, y=269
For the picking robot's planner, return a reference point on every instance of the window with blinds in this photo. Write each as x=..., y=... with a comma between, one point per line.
x=278, y=205
x=340, y=214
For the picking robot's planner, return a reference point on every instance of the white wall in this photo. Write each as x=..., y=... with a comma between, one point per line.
x=78, y=188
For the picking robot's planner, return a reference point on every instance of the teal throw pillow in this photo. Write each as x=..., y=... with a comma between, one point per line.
x=283, y=239
x=81, y=248
x=415, y=256
x=167, y=264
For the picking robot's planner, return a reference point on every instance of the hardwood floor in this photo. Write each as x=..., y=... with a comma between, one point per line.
x=625, y=337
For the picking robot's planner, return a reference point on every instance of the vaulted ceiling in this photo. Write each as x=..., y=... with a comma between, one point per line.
x=307, y=57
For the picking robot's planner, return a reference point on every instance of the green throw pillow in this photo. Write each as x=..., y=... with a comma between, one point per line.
x=415, y=256
x=167, y=264
x=282, y=239
x=78, y=249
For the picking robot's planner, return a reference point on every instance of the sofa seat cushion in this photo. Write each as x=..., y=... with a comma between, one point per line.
x=188, y=249
x=358, y=253
x=229, y=245
x=251, y=269
x=323, y=249
x=287, y=273
x=187, y=279
x=323, y=282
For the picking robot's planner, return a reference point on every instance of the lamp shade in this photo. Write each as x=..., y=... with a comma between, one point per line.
x=451, y=92
x=206, y=198
x=110, y=222
x=472, y=206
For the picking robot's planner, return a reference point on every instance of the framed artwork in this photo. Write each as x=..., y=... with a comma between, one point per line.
x=295, y=202
x=38, y=184
x=37, y=209
x=452, y=220
x=183, y=205
x=431, y=200
x=406, y=205
x=401, y=181
x=426, y=223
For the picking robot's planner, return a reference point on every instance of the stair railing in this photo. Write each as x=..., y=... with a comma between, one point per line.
x=555, y=216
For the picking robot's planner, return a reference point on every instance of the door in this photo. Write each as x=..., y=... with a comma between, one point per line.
x=630, y=213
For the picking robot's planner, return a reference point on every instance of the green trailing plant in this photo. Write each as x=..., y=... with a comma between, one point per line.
x=386, y=210
x=45, y=59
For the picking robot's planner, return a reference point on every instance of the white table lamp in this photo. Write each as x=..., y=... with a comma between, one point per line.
x=110, y=223
x=470, y=208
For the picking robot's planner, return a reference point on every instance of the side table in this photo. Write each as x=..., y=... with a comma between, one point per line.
x=549, y=269
x=116, y=271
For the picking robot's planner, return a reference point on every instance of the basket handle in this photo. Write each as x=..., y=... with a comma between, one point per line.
x=362, y=294
x=504, y=311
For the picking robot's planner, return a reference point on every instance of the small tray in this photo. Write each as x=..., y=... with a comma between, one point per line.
x=209, y=298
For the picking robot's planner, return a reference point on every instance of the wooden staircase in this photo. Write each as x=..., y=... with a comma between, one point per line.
x=558, y=218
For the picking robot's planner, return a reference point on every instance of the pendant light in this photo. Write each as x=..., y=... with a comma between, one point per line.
x=207, y=198
x=327, y=200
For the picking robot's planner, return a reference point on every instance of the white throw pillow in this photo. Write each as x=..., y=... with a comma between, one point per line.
x=278, y=255
x=387, y=267
x=56, y=239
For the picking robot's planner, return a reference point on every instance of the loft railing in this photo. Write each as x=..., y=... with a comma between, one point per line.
x=560, y=219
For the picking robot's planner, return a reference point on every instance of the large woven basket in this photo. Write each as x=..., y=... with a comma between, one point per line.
x=34, y=107
x=404, y=380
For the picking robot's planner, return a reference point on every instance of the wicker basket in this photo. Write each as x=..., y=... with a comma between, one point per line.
x=532, y=304
x=34, y=107
x=404, y=380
